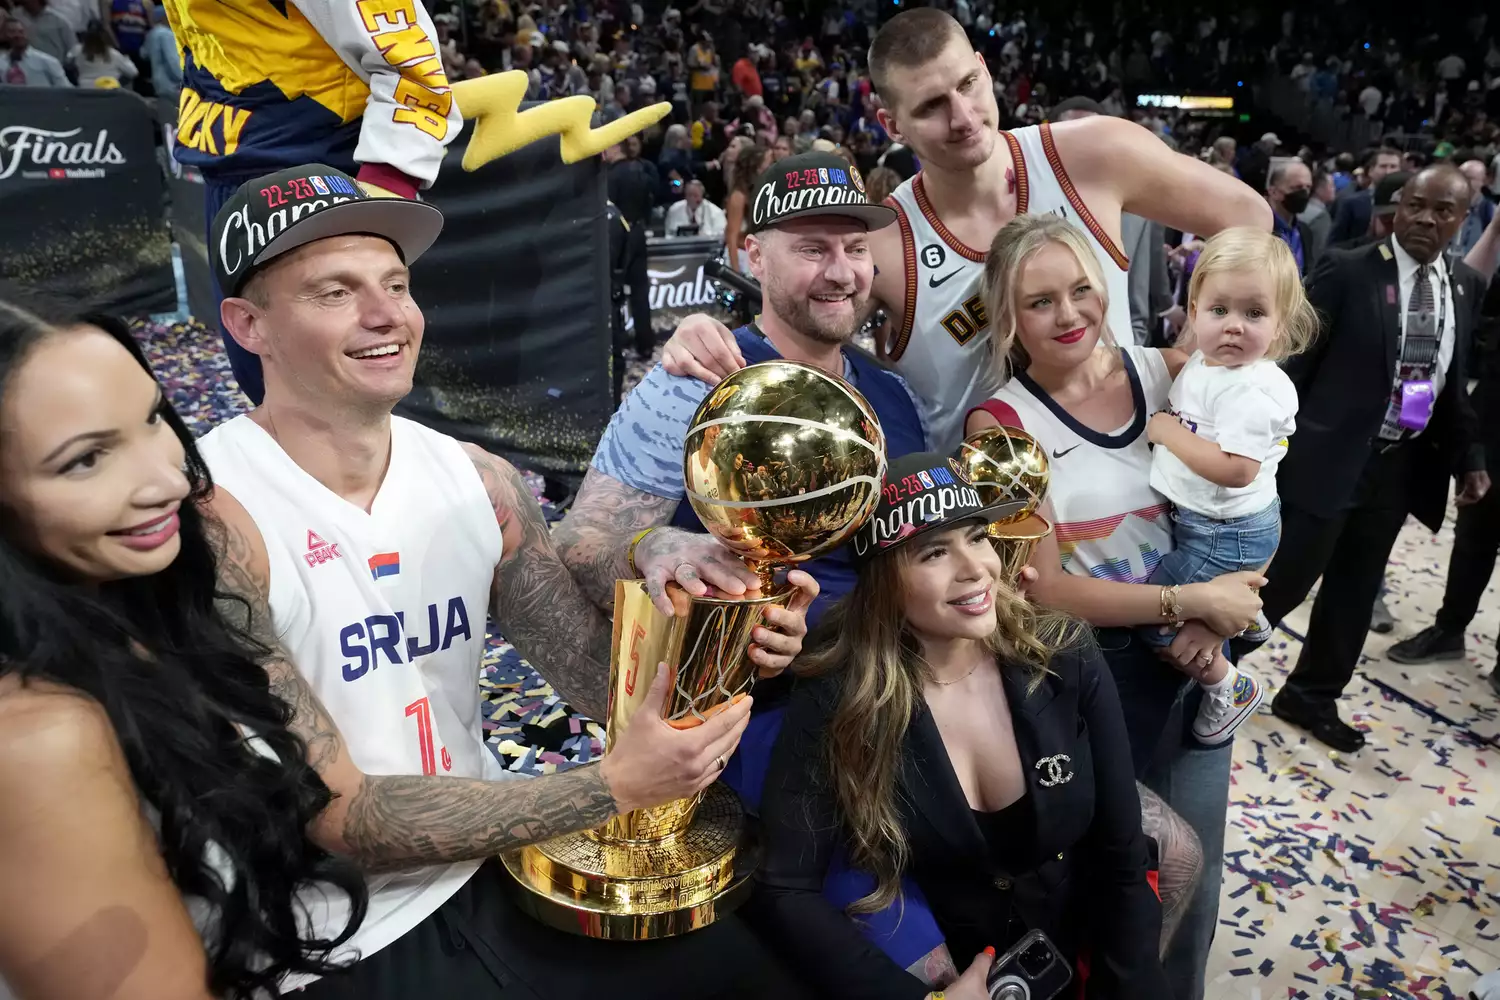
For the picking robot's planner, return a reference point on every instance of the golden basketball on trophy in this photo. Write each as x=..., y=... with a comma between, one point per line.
x=1006, y=463
x=783, y=462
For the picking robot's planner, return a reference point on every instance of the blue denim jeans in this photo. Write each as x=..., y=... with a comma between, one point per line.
x=1206, y=548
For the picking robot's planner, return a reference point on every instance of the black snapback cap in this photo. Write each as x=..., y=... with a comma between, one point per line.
x=922, y=492
x=810, y=184
x=270, y=215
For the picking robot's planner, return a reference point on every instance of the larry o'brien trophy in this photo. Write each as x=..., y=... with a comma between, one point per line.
x=1006, y=463
x=783, y=462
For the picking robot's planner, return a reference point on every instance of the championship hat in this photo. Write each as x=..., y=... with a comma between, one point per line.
x=809, y=184
x=270, y=215
x=922, y=492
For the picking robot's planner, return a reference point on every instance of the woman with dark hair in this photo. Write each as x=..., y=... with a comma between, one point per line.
x=952, y=734
x=97, y=58
x=153, y=839
x=749, y=161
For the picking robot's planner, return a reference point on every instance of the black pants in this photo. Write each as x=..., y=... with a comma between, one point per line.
x=1349, y=550
x=640, y=289
x=1476, y=542
x=480, y=946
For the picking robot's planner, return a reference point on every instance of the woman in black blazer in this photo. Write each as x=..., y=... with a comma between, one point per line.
x=947, y=730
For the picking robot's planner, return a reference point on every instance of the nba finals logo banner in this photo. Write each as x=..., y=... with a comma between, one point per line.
x=924, y=497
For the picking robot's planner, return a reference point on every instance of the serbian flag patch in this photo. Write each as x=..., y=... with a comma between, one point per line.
x=385, y=564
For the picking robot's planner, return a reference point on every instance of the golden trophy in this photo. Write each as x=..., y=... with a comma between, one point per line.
x=783, y=462
x=1006, y=463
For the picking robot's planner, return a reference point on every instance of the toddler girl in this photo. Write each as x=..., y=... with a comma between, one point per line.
x=1231, y=412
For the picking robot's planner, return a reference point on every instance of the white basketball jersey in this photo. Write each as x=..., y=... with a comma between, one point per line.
x=384, y=614
x=1110, y=523
x=941, y=343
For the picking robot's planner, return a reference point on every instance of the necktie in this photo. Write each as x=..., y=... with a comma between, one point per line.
x=1421, y=293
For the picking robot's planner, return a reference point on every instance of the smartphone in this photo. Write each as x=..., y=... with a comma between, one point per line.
x=1031, y=970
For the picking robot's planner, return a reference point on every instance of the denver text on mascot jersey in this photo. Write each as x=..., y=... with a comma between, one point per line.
x=356, y=84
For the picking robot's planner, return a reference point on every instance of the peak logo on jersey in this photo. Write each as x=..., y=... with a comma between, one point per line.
x=319, y=551
x=366, y=642
x=385, y=564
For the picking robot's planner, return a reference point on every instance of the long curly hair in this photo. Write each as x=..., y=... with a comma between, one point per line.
x=865, y=641
x=186, y=691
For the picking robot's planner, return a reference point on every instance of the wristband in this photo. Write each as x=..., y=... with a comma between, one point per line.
x=630, y=552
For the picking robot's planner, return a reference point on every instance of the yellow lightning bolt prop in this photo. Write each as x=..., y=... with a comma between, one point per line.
x=500, y=127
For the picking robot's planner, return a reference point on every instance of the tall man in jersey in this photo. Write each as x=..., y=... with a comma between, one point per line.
x=370, y=549
x=938, y=98
x=269, y=84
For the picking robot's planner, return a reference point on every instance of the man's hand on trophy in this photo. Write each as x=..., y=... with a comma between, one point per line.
x=702, y=348
x=693, y=561
x=653, y=762
x=773, y=648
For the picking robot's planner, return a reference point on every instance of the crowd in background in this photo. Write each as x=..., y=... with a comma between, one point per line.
x=755, y=80
x=784, y=76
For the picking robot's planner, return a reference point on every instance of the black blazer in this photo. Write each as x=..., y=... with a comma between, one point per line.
x=1344, y=382
x=1091, y=892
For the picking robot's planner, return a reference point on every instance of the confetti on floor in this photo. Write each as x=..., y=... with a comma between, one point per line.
x=1372, y=875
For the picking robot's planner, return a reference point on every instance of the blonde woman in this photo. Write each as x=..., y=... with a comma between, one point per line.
x=1088, y=402
x=950, y=732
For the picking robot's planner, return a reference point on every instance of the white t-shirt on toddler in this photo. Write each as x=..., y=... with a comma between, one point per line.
x=1248, y=411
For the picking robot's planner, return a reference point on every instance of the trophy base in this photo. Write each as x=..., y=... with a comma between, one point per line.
x=639, y=890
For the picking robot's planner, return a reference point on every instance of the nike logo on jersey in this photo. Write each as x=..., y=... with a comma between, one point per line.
x=934, y=281
x=1060, y=454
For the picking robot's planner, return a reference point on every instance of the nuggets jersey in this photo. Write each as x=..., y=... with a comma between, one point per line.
x=940, y=344
x=270, y=84
x=1110, y=523
x=384, y=614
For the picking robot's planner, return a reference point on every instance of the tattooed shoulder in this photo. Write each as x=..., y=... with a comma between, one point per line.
x=516, y=510
x=244, y=573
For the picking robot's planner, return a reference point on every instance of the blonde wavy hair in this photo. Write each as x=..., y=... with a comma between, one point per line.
x=1020, y=240
x=864, y=639
x=1243, y=249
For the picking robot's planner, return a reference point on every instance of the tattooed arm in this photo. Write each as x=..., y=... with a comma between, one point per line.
x=935, y=968
x=404, y=821
x=539, y=607
x=1179, y=859
x=594, y=541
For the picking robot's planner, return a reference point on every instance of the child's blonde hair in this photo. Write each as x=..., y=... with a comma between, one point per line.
x=1243, y=248
x=1017, y=242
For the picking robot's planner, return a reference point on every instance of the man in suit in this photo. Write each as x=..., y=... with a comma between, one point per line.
x=1387, y=370
x=1476, y=536
x=1316, y=216
x=1351, y=213
x=1288, y=190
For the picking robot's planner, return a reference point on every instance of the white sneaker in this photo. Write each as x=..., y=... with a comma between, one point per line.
x=1487, y=987
x=1226, y=705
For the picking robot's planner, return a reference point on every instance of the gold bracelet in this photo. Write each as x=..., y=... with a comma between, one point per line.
x=937, y=995
x=1171, y=605
x=630, y=552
